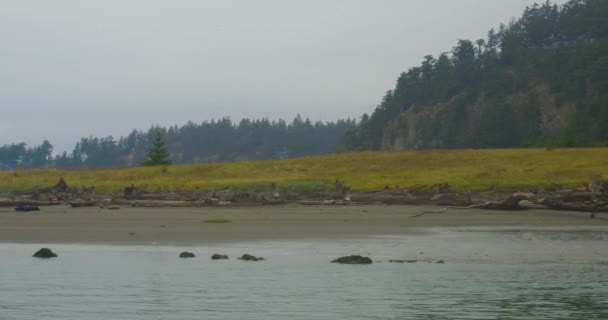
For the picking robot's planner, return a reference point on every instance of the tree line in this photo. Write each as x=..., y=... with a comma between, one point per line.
x=210, y=141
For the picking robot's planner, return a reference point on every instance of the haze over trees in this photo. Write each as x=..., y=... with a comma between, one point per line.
x=210, y=141
x=541, y=80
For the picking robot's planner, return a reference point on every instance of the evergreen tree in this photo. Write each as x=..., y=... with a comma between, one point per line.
x=158, y=155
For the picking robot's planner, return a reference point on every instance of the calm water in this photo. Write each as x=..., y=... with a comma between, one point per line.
x=297, y=282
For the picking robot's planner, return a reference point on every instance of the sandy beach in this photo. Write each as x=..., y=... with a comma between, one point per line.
x=190, y=226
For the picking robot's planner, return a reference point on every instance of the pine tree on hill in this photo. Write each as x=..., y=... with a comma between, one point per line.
x=158, y=155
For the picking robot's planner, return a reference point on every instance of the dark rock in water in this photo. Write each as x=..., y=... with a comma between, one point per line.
x=45, y=253
x=248, y=257
x=217, y=256
x=440, y=261
x=186, y=254
x=26, y=208
x=403, y=261
x=353, y=260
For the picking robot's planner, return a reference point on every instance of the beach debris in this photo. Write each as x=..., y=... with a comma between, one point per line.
x=217, y=256
x=132, y=192
x=276, y=193
x=442, y=188
x=403, y=261
x=598, y=184
x=355, y=259
x=79, y=203
x=187, y=254
x=341, y=187
x=61, y=186
x=45, y=253
x=113, y=207
x=132, y=233
x=248, y=257
x=512, y=203
x=451, y=199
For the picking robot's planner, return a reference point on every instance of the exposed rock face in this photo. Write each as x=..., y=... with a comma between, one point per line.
x=424, y=127
x=248, y=257
x=217, y=256
x=187, y=254
x=45, y=253
x=353, y=260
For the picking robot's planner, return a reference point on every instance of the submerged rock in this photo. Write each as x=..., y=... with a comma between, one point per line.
x=187, y=254
x=217, y=256
x=353, y=260
x=248, y=257
x=26, y=208
x=45, y=253
x=403, y=261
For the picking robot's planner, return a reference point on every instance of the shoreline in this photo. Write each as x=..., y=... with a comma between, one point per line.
x=202, y=226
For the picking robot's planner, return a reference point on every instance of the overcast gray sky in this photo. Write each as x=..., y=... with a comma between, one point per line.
x=73, y=68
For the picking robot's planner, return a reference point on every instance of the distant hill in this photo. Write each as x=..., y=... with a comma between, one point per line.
x=541, y=80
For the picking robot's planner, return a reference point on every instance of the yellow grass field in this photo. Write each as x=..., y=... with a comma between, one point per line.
x=474, y=170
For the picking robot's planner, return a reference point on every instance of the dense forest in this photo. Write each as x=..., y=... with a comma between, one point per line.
x=213, y=141
x=540, y=80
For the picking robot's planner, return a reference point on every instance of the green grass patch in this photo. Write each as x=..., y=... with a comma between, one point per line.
x=464, y=170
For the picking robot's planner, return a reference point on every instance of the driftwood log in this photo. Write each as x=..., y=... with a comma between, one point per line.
x=526, y=201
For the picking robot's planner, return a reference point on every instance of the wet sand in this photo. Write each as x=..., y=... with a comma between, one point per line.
x=188, y=226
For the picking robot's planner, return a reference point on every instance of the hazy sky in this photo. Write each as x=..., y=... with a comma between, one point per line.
x=73, y=68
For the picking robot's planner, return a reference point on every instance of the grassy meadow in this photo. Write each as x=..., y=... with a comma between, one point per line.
x=474, y=170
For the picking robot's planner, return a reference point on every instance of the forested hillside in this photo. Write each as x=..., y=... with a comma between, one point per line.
x=541, y=80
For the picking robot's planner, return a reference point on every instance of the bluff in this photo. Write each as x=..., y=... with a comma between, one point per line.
x=541, y=80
